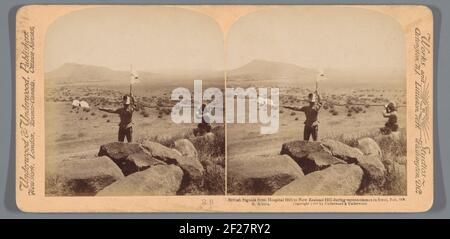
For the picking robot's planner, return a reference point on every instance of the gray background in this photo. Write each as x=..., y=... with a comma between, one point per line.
x=440, y=209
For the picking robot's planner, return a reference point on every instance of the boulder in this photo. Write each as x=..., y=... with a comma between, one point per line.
x=159, y=180
x=191, y=166
x=261, y=175
x=162, y=152
x=82, y=177
x=341, y=150
x=141, y=161
x=336, y=180
x=310, y=156
x=368, y=146
x=190, y=162
x=318, y=161
x=186, y=148
x=374, y=170
x=119, y=151
x=299, y=149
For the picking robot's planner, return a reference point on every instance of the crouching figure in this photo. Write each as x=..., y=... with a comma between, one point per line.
x=204, y=127
x=391, y=125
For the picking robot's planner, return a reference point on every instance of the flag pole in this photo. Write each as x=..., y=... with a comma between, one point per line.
x=318, y=78
x=131, y=85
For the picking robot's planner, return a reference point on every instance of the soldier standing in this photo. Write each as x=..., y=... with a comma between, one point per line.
x=126, y=118
x=311, y=111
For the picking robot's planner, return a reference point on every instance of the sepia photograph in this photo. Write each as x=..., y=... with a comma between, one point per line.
x=340, y=109
x=109, y=76
x=224, y=108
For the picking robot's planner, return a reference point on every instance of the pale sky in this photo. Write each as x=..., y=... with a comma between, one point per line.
x=152, y=39
x=166, y=38
x=318, y=37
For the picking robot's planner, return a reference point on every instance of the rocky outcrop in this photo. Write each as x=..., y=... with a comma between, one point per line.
x=83, y=177
x=340, y=179
x=158, y=180
x=341, y=150
x=334, y=168
x=147, y=168
x=132, y=158
x=261, y=175
x=193, y=169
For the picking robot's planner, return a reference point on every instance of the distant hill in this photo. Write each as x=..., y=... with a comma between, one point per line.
x=73, y=73
x=262, y=70
x=256, y=73
x=77, y=73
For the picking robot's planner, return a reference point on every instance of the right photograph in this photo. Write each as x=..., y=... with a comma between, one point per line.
x=316, y=103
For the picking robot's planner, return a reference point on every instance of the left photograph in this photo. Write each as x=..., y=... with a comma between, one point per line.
x=113, y=77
